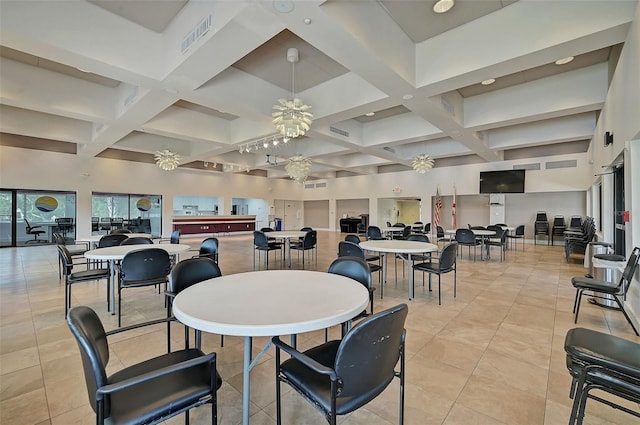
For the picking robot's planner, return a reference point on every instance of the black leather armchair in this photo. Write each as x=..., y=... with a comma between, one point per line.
x=339, y=377
x=147, y=392
x=603, y=362
x=183, y=275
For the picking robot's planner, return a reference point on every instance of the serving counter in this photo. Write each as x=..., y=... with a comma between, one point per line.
x=192, y=225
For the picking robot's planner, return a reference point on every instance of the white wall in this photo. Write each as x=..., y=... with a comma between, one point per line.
x=620, y=116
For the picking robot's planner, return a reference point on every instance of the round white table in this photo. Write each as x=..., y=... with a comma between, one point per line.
x=483, y=234
x=117, y=253
x=390, y=231
x=398, y=247
x=269, y=303
x=286, y=235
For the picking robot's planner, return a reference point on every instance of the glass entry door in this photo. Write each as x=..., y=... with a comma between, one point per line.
x=7, y=219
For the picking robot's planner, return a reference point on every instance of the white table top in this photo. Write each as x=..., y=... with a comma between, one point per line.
x=96, y=238
x=477, y=232
x=270, y=302
x=285, y=234
x=118, y=252
x=481, y=232
x=398, y=246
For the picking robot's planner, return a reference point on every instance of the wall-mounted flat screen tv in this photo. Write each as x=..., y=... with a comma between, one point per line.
x=507, y=181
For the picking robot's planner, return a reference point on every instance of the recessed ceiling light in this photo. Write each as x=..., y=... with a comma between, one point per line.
x=307, y=21
x=283, y=6
x=488, y=81
x=564, y=60
x=443, y=6
x=370, y=114
x=407, y=96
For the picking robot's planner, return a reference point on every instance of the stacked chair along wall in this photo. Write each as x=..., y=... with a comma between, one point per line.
x=339, y=377
x=144, y=393
x=445, y=263
x=558, y=228
x=577, y=242
x=541, y=227
x=605, y=363
x=184, y=274
x=616, y=291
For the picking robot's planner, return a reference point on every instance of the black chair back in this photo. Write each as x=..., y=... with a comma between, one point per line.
x=175, y=237
x=367, y=355
x=191, y=271
x=418, y=238
x=406, y=232
x=350, y=249
x=145, y=265
x=354, y=267
x=65, y=257
x=630, y=268
x=448, y=257
x=374, y=233
x=352, y=238
x=91, y=337
x=309, y=240
x=440, y=231
x=137, y=241
x=111, y=240
x=465, y=236
x=520, y=230
x=427, y=228
x=209, y=248
x=120, y=231
x=260, y=239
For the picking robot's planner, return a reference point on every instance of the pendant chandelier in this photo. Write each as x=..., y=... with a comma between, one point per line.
x=298, y=168
x=291, y=116
x=422, y=163
x=167, y=160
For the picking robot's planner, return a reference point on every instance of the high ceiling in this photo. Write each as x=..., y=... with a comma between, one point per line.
x=123, y=79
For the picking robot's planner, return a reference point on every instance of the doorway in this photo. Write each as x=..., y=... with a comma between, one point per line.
x=619, y=236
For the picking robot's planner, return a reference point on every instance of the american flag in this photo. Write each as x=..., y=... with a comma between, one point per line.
x=453, y=210
x=437, y=209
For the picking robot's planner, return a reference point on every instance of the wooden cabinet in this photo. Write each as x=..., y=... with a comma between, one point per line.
x=214, y=224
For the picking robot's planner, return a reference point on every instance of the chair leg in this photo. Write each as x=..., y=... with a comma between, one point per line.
x=439, y=293
x=626, y=316
x=278, y=393
x=575, y=302
x=575, y=319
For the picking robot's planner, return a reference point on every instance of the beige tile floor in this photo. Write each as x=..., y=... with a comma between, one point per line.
x=493, y=355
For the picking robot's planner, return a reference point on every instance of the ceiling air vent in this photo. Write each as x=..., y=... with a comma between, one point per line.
x=309, y=186
x=338, y=131
x=196, y=34
x=571, y=163
x=532, y=166
x=319, y=185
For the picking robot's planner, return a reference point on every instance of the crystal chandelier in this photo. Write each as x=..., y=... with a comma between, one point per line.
x=291, y=116
x=422, y=163
x=167, y=160
x=298, y=168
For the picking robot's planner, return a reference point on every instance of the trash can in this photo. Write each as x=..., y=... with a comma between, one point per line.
x=607, y=267
x=594, y=249
x=278, y=223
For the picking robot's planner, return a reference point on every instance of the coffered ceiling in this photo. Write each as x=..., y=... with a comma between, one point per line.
x=387, y=79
